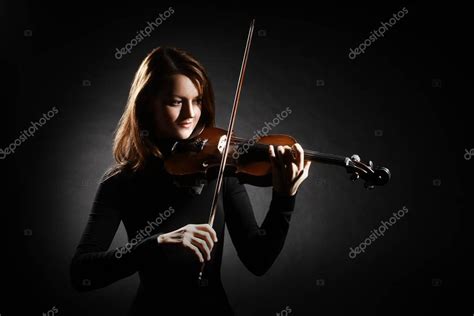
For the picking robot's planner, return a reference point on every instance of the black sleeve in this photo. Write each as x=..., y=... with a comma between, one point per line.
x=257, y=247
x=93, y=265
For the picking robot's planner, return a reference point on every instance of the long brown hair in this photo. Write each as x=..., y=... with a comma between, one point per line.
x=135, y=133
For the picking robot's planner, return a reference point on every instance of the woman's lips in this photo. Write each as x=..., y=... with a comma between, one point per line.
x=186, y=125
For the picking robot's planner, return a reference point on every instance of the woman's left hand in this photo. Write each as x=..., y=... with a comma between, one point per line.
x=288, y=170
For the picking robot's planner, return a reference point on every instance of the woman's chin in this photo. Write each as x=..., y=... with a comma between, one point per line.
x=183, y=134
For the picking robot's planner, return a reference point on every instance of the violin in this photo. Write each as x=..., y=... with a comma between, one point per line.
x=201, y=156
x=208, y=154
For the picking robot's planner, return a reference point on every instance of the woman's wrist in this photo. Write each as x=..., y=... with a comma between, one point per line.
x=282, y=202
x=284, y=193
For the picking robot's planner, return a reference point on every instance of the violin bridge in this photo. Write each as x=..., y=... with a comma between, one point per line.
x=221, y=144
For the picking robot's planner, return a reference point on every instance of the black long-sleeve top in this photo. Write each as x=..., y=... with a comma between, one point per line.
x=150, y=203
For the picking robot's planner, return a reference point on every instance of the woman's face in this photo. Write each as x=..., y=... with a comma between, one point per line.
x=180, y=104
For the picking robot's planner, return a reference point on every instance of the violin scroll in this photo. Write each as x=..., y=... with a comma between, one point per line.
x=373, y=176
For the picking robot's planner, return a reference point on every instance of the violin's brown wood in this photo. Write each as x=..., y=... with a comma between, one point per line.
x=201, y=155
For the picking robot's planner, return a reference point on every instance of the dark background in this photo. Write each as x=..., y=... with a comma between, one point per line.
x=397, y=104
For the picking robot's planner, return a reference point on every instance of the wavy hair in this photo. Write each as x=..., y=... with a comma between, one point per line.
x=135, y=135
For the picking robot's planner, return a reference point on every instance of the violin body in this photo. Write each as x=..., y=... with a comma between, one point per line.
x=201, y=157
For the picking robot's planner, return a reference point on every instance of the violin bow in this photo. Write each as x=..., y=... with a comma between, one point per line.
x=229, y=133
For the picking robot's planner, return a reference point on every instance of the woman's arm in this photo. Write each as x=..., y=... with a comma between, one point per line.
x=93, y=265
x=257, y=247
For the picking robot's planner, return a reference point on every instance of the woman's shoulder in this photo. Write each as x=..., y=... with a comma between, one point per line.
x=115, y=175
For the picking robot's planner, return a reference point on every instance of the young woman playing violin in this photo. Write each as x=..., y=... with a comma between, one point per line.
x=171, y=99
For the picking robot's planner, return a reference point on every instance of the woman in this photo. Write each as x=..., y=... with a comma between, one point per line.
x=172, y=99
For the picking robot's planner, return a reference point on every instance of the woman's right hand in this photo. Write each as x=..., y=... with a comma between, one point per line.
x=197, y=238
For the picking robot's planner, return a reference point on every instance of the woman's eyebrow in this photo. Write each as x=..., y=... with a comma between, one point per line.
x=181, y=97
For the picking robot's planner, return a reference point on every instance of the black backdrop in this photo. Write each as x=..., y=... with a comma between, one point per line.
x=395, y=104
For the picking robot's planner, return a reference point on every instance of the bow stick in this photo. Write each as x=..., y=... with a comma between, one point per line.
x=229, y=133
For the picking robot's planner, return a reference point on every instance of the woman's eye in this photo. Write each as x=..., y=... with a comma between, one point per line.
x=176, y=102
x=198, y=101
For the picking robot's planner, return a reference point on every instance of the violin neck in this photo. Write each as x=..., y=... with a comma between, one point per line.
x=325, y=158
x=262, y=151
x=315, y=156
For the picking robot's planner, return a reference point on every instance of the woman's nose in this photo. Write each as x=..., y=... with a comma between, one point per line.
x=188, y=109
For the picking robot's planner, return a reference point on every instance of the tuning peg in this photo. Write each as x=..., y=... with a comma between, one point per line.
x=355, y=157
x=371, y=164
x=354, y=176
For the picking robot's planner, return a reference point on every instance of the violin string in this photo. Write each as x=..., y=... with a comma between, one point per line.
x=310, y=154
